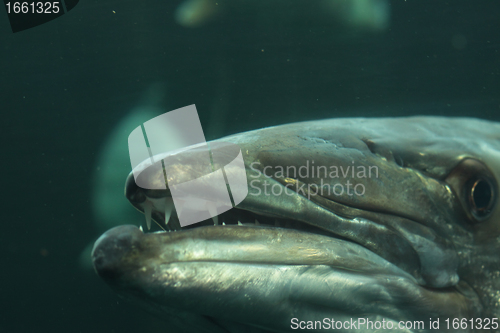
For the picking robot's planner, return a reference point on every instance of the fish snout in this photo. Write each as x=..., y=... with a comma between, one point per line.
x=112, y=248
x=134, y=193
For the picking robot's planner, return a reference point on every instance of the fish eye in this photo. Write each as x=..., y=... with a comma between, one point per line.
x=481, y=197
x=476, y=189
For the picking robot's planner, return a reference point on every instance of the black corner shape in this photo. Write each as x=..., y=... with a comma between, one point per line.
x=28, y=14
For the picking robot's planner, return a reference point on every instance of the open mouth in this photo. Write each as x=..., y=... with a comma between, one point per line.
x=382, y=234
x=236, y=237
x=162, y=217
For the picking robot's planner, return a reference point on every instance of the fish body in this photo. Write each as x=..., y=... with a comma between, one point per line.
x=352, y=224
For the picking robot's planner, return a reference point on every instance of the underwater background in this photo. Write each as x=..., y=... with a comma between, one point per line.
x=71, y=90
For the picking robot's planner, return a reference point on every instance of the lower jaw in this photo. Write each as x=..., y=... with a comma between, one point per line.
x=217, y=270
x=247, y=292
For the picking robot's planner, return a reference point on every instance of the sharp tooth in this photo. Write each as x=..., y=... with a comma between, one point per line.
x=169, y=206
x=223, y=223
x=257, y=222
x=276, y=223
x=239, y=223
x=148, y=207
x=140, y=228
x=216, y=220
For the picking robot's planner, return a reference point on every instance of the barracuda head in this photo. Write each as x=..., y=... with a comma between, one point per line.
x=385, y=219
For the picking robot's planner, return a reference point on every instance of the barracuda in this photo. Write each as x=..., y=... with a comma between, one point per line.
x=391, y=220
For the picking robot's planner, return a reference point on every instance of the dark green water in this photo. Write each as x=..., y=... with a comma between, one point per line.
x=64, y=86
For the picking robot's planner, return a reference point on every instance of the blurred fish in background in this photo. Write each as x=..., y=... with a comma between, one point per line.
x=370, y=15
